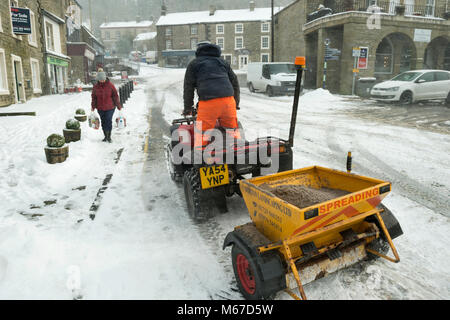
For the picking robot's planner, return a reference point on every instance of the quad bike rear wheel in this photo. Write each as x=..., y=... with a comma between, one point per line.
x=201, y=203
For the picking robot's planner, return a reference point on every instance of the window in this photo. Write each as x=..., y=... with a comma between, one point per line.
x=228, y=58
x=3, y=77
x=239, y=43
x=429, y=8
x=238, y=28
x=442, y=76
x=107, y=35
x=221, y=42
x=118, y=34
x=32, y=37
x=1, y=28
x=384, y=57
x=265, y=42
x=220, y=29
x=194, y=42
x=265, y=57
x=428, y=77
x=265, y=27
x=14, y=3
x=168, y=44
x=50, y=41
x=168, y=31
x=194, y=30
x=35, y=74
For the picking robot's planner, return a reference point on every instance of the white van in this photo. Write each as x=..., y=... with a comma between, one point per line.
x=271, y=77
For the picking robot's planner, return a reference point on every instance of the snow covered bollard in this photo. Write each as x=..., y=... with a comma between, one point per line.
x=72, y=132
x=56, y=151
x=80, y=115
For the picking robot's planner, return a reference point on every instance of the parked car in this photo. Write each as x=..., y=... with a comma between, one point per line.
x=413, y=86
x=271, y=77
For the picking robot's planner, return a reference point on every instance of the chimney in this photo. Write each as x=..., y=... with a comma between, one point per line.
x=138, y=19
x=212, y=10
x=252, y=5
x=163, y=10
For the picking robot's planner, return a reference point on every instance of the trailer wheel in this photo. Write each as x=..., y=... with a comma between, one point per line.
x=198, y=206
x=248, y=280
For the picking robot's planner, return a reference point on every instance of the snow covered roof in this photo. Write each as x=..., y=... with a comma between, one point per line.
x=194, y=17
x=145, y=36
x=126, y=24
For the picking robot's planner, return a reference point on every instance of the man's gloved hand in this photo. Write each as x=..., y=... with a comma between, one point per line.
x=237, y=107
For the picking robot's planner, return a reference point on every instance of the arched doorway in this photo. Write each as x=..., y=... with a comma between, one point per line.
x=395, y=54
x=437, y=54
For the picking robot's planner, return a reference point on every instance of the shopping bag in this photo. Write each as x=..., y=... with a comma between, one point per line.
x=94, y=121
x=121, y=121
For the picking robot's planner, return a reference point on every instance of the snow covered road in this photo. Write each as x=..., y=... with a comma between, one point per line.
x=142, y=244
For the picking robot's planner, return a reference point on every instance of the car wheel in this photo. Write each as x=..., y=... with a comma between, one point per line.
x=250, y=87
x=447, y=101
x=406, y=98
x=269, y=91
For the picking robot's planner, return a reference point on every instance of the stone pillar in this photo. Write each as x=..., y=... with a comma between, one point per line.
x=321, y=36
x=417, y=63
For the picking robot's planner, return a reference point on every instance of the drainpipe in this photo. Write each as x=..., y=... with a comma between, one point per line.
x=272, y=44
x=46, y=89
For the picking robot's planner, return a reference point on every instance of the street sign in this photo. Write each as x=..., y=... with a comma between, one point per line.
x=356, y=52
x=21, y=22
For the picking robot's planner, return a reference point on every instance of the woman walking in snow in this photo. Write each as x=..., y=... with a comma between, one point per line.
x=105, y=99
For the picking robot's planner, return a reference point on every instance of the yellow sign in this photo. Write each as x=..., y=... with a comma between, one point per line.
x=355, y=70
x=214, y=176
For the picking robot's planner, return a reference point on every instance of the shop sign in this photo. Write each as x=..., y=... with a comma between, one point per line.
x=363, y=58
x=58, y=62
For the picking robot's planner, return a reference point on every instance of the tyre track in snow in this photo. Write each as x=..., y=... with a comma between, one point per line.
x=407, y=186
x=210, y=232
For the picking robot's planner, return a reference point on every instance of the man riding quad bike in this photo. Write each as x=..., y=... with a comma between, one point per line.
x=208, y=151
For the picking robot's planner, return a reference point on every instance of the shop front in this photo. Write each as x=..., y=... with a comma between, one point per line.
x=57, y=69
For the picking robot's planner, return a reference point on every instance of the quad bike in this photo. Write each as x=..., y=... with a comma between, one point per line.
x=208, y=182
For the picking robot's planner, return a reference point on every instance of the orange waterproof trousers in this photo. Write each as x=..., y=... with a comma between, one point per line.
x=209, y=112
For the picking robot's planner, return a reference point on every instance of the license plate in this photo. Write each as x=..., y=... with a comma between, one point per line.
x=290, y=89
x=214, y=176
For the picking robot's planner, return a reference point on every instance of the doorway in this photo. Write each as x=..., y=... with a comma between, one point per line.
x=243, y=62
x=19, y=89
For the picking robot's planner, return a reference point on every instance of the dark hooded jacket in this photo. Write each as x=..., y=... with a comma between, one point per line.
x=211, y=76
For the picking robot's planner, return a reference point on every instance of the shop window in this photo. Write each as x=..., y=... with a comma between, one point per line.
x=405, y=59
x=384, y=57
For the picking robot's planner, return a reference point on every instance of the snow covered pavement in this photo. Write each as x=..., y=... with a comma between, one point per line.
x=142, y=244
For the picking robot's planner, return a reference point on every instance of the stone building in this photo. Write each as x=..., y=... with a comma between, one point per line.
x=113, y=33
x=397, y=38
x=244, y=35
x=21, y=57
x=85, y=50
x=145, y=42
